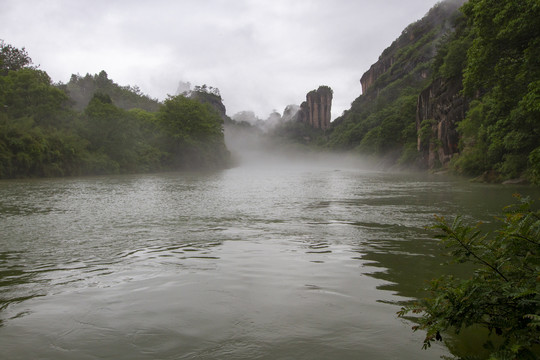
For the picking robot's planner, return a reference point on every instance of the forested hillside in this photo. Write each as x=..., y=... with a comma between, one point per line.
x=459, y=89
x=500, y=135
x=382, y=121
x=45, y=132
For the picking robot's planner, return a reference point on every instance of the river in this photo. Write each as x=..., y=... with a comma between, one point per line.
x=305, y=261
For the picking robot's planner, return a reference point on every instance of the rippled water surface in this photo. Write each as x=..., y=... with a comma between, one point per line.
x=249, y=263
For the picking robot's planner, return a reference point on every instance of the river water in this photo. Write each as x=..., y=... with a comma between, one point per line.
x=305, y=261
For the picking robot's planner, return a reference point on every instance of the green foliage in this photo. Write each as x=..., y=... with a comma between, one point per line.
x=473, y=159
x=190, y=121
x=506, y=33
x=379, y=130
x=12, y=59
x=111, y=134
x=426, y=130
x=455, y=59
x=211, y=96
x=451, y=57
x=296, y=132
x=209, y=90
x=194, y=132
x=81, y=90
x=34, y=137
x=28, y=150
x=409, y=155
x=534, y=166
x=503, y=73
x=28, y=92
x=503, y=291
x=41, y=136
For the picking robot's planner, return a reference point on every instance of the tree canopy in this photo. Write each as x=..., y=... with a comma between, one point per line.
x=194, y=128
x=12, y=58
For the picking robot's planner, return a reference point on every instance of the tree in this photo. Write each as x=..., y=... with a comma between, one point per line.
x=190, y=121
x=29, y=92
x=12, y=58
x=502, y=294
x=112, y=133
x=194, y=132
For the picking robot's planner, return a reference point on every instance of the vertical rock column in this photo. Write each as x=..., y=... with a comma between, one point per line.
x=326, y=108
x=317, y=109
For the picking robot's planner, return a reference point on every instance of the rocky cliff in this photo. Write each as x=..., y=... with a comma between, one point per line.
x=420, y=40
x=398, y=92
x=440, y=107
x=211, y=98
x=316, y=110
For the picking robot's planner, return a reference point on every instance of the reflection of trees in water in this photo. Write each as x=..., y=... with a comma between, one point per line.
x=406, y=264
x=15, y=281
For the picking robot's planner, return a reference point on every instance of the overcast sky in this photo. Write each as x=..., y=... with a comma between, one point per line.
x=261, y=54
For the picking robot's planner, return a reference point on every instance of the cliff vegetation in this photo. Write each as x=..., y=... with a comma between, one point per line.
x=459, y=89
x=381, y=122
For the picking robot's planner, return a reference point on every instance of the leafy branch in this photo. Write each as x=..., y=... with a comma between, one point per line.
x=458, y=234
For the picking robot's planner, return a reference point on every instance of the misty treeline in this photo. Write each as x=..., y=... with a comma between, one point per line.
x=490, y=51
x=93, y=126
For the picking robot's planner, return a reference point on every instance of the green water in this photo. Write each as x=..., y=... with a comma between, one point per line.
x=255, y=262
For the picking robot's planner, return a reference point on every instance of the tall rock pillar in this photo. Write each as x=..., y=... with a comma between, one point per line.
x=317, y=109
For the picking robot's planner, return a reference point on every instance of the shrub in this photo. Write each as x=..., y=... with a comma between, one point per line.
x=502, y=294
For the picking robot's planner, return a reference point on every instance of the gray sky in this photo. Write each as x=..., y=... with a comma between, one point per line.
x=261, y=54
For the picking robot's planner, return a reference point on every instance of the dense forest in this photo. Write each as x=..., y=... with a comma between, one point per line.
x=93, y=126
x=459, y=89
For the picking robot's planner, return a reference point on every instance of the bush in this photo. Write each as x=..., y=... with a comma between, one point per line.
x=502, y=294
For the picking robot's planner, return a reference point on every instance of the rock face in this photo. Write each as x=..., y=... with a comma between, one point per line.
x=316, y=110
x=290, y=112
x=376, y=70
x=394, y=63
x=385, y=63
x=440, y=107
x=213, y=99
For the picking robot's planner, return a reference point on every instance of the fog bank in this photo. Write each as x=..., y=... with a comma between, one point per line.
x=251, y=147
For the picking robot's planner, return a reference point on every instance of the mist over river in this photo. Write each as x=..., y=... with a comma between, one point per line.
x=308, y=260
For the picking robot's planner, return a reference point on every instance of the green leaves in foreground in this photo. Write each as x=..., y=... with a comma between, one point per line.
x=502, y=294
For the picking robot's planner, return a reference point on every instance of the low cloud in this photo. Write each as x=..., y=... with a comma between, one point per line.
x=261, y=55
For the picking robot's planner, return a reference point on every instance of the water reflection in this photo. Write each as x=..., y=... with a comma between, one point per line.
x=15, y=282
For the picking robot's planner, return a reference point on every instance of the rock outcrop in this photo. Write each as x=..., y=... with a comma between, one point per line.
x=316, y=110
x=201, y=94
x=376, y=70
x=440, y=107
x=394, y=63
x=290, y=112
